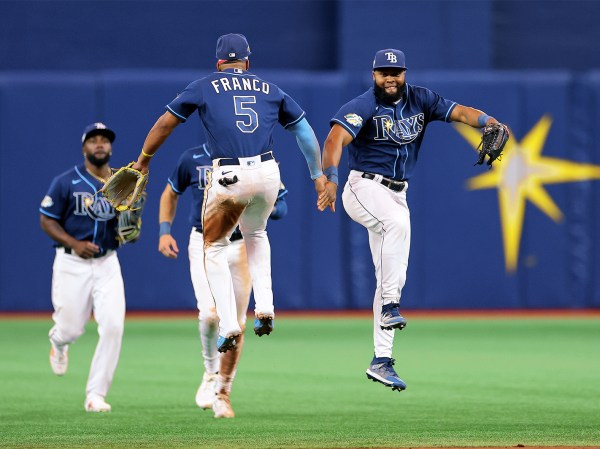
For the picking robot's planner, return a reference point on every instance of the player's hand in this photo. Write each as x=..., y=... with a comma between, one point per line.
x=167, y=246
x=322, y=199
x=85, y=249
x=142, y=166
x=329, y=197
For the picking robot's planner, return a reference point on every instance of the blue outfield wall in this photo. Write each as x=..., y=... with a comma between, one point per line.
x=322, y=260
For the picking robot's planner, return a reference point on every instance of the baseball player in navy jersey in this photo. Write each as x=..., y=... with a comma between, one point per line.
x=239, y=112
x=383, y=129
x=86, y=274
x=192, y=171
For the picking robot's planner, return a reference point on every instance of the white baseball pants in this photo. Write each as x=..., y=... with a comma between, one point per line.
x=248, y=201
x=80, y=287
x=240, y=274
x=386, y=216
x=242, y=286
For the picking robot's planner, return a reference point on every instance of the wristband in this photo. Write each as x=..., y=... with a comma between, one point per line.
x=164, y=228
x=482, y=120
x=332, y=174
x=146, y=154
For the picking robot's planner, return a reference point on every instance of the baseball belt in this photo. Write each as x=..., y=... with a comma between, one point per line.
x=95, y=256
x=396, y=186
x=237, y=235
x=235, y=161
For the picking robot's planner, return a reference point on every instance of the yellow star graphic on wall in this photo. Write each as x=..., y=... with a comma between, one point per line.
x=521, y=176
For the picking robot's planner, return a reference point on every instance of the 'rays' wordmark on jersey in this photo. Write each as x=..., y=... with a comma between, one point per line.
x=387, y=137
x=72, y=201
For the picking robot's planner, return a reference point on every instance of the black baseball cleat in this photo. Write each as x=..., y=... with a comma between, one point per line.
x=263, y=325
x=390, y=317
x=224, y=344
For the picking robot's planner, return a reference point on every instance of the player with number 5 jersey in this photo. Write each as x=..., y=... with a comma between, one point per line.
x=239, y=112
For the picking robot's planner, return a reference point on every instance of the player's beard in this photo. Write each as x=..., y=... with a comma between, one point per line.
x=384, y=97
x=97, y=161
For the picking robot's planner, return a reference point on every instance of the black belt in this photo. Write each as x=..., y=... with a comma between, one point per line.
x=396, y=186
x=95, y=256
x=237, y=234
x=236, y=161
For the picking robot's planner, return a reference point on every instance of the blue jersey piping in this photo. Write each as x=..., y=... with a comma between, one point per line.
x=175, y=113
x=95, y=191
x=49, y=214
x=173, y=187
x=344, y=126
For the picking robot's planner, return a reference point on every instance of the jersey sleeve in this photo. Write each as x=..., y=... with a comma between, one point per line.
x=186, y=102
x=54, y=203
x=437, y=106
x=352, y=116
x=290, y=112
x=181, y=177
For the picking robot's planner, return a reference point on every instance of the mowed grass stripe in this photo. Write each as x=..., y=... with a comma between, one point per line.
x=471, y=382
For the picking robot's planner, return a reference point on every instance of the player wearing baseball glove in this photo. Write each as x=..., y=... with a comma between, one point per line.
x=493, y=139
x=129, y=225
x=125, y=187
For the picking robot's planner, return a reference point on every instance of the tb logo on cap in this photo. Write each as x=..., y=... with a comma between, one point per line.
x=391, y=57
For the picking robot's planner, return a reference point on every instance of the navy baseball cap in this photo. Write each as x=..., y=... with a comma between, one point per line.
x=389, y=58
x=232, y=46
x=98, y=128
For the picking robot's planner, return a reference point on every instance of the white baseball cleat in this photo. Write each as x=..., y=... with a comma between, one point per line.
x=59, y=358
x=96, y=404
x=206, y=394
x=222, y=407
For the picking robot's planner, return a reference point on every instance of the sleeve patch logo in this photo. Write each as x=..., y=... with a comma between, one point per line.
x=354, y=119
x=47, y=202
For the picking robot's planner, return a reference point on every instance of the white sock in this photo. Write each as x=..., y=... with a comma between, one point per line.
x=209, y=333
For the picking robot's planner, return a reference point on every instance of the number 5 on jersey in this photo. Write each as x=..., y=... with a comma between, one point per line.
x=250, y=122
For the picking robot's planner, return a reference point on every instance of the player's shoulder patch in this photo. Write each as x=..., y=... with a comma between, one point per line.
x=354, y=119
x=47, y=202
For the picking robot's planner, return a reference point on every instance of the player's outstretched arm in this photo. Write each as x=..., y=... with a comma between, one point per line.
x=337, y=139
x=162, y=129
x=471, y=116
x=167, y=245
x=309, y=145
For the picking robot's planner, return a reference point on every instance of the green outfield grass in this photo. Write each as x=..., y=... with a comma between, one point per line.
x=471, y=382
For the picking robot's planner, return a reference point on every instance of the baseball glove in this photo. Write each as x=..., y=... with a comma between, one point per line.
x=124, y=188
x=129, y=225
x=495, y=136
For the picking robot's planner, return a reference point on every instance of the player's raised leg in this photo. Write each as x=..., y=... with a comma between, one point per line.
x=385, y=214
x=253, y=224
x=220, y=217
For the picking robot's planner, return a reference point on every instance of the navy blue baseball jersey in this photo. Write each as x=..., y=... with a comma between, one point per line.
x=71, y=200
x=238, y=110
x=387, y=137
x=192, y=170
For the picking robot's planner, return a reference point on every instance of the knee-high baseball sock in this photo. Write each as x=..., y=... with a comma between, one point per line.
x=209, y=332
x=229, y=362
